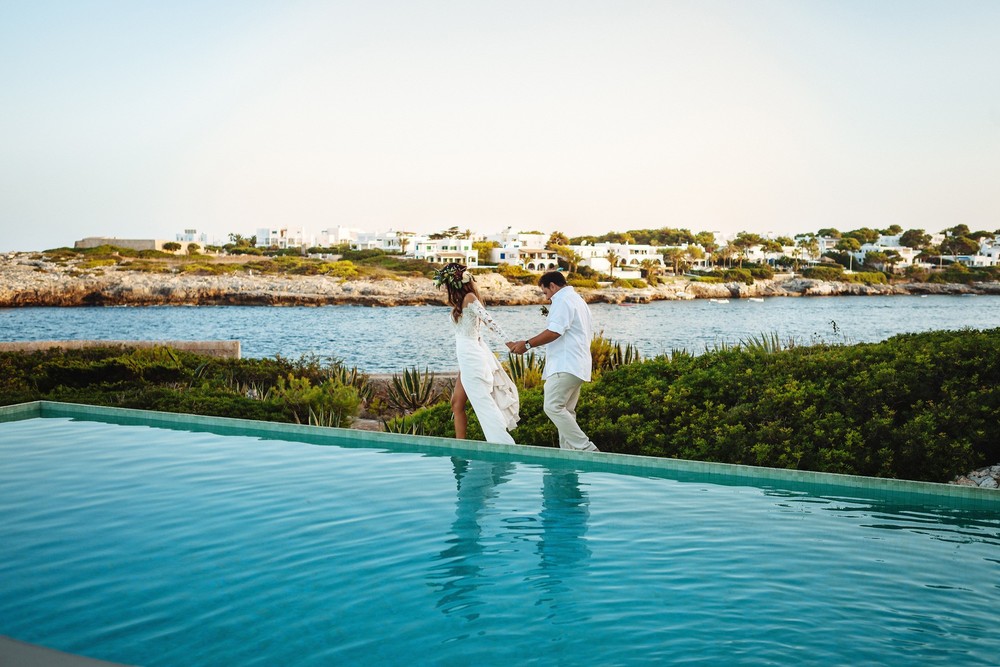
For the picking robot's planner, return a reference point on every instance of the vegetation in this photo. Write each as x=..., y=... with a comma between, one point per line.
x=917, y=406
x=412, y=390
x=278, y=389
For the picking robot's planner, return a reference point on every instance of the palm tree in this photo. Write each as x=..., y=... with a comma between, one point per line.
x=651, y=267
x=567, y=254
x=612, y=258
x=675, y=256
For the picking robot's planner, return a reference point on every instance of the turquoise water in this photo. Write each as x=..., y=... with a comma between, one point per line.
x=168, y=547
x=386, y=340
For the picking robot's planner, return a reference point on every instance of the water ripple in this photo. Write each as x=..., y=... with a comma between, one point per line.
x=148, y=547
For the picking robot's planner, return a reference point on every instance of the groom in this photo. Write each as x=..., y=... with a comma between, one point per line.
x=567, y=360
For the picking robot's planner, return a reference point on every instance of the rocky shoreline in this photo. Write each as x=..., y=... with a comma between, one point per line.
x=26, y=281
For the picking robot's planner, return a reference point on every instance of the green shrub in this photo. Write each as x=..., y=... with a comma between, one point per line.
x=866, y=277
x=828, y=273
x=630, y=283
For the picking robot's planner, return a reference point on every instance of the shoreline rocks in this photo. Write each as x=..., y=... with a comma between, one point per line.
x=984, y=478
x=26, y=282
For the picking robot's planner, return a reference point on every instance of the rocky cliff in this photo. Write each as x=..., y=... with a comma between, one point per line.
x=28, y=281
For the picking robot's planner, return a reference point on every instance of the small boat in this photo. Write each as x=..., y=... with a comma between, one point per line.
x=757, y=299
x=719, y=300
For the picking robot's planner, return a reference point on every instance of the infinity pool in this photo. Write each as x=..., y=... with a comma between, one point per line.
x=164, y=546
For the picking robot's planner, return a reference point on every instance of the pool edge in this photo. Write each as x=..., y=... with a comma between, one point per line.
x=607, y=461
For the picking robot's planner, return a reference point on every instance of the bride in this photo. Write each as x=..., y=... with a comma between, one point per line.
x=481, y=378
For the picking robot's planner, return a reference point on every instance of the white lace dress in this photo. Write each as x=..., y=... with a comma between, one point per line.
x=491, y=391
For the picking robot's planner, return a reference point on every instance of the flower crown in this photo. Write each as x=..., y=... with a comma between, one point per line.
x=453, y=275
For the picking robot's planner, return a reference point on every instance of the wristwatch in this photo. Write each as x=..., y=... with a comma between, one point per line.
x=527, y=345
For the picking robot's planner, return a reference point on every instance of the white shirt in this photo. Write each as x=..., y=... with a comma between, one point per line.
x=569, y=317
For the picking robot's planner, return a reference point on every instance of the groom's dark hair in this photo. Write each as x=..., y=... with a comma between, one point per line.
x=552, y=278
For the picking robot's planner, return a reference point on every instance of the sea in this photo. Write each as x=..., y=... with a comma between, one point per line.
x=382, y=340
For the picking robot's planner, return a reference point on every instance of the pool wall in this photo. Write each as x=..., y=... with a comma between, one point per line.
x=727, y=473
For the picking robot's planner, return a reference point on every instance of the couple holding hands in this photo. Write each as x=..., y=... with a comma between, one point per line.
x=481, y=378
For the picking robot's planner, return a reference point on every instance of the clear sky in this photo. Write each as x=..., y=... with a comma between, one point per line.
x=139, y=119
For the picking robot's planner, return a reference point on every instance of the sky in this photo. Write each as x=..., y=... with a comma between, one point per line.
x=139, y=119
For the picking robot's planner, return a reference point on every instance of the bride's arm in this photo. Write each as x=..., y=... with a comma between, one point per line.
x=488, y=320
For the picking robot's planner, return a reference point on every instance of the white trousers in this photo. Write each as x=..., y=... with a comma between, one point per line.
x=562, y=391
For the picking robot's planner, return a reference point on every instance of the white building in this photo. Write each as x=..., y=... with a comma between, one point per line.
x=192, y=236
x=446, y=250
x=539, y=260
x=391, y=241
x=628, y=257
x=987, y=255
x=522, y=249
x=282, y=238
x=339, y=235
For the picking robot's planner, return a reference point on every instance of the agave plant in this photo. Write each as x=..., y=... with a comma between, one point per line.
x=765, y=343
x=526, y=369
x=608, y=355
x=352, y=377
x=404, y=425
x=413, y=390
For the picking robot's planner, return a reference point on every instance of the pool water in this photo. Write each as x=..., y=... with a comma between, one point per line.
x=155, y=546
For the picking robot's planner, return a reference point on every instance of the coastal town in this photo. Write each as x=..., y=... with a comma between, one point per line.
x=625, y=255
x=285, y=267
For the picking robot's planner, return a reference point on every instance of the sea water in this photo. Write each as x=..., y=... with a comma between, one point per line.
x=387, y=340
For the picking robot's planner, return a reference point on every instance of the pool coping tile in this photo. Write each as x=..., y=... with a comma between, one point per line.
x=597, y=461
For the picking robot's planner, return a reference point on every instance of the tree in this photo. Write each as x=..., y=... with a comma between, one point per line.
x=864, y=235
x=915, y=238
x=695, y=252
x=241, y=241
x=892, y=258
x=725, y=254
x=810, y=245
x=877, y=259
x=557, y=239
x=484, y=248
x=171, y=246
x=772, y=247
x=568, y=255
x=612, y=258
x=959, y=245
x=828, y=231
x=957, y=230
x=674, y=257
x=849, y=245
x=403, y=242
x=193, y=248
x=651, y=268
x=743, y=242
x=450, y=233
x=706, y=240
x=892, y=230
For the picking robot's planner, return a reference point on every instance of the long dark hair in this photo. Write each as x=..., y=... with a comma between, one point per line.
x=456, y=297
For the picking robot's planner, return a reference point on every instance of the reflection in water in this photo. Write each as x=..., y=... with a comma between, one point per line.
x=461, y=577
x=561, y=549
x=462, y=566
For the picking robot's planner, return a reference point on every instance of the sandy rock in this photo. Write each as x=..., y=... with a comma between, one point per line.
x=27, y=280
